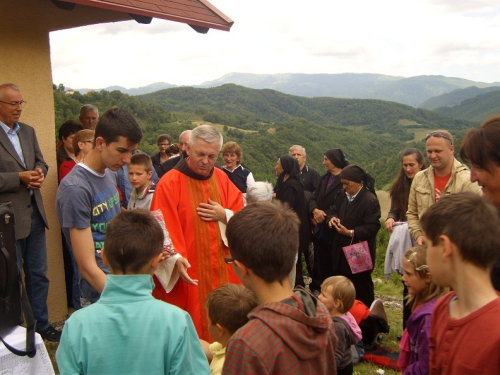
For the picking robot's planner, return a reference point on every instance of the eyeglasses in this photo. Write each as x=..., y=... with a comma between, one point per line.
x=90, y=141
x=22, y=103
x=229, y=260
x=438, y=134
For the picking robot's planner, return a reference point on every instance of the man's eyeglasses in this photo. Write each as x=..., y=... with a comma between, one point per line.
x=439, y=135
x=22, y=103
x=229, y=260
x=90, y=141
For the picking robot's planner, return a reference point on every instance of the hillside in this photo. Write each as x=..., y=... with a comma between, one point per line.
x=266, y=123
x=456, y=97
x=269, y=121
x=251, y=109
x=476, y=109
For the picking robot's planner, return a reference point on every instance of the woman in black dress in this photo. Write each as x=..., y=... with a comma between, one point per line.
x=289, y=189
x=319, y=204
x=356, y=218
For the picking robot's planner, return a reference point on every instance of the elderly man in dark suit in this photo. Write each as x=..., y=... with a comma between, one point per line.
x=22, y=172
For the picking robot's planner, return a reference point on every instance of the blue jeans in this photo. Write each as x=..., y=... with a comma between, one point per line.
x=32, y=257
x=71, y=275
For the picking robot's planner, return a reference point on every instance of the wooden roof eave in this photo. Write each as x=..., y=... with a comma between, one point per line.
x=144, y=15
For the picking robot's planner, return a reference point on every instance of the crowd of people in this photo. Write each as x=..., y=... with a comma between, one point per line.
x=226, y=252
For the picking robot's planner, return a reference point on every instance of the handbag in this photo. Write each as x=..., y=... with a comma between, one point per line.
x=13, y=298
x=358, y=256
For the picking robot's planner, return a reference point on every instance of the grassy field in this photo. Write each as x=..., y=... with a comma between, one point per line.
x=389, y=291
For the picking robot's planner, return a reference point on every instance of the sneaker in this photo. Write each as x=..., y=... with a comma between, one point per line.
x=51, y=334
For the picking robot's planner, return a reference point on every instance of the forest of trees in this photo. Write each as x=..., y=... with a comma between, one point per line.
x=266, y=123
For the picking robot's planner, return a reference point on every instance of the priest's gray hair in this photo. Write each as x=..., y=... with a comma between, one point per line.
x=206, y=133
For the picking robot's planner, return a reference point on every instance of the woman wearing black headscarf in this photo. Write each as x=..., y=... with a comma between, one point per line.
x=356, y=218
x=289, y=189
x=319, y=205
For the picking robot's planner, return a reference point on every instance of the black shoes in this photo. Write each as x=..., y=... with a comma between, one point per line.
x=51, y=334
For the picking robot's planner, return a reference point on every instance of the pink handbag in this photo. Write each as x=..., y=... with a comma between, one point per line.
x=358, y=256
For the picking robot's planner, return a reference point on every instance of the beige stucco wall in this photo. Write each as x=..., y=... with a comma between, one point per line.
x=25, y=61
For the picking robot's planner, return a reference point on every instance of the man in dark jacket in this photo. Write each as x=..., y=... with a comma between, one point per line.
x=308, y=176
x=22, y=173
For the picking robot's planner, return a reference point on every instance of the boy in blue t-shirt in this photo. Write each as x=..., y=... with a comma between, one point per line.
x=87, y=198
x=128, y=331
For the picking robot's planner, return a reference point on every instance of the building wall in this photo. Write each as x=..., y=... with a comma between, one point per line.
x=25, y=61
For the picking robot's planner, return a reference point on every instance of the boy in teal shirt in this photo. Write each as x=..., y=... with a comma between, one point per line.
x=128, y=331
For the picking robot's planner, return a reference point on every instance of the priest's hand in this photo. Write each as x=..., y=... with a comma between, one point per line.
x=182, y=265
x=212, y=211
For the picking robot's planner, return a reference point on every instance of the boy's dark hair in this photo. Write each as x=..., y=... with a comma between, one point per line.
x=118, y=122
x=133, y=239
x=142, y=160
x=69, y=127
x=162, y=138
x=229, y=305
x=264, y=237
x=470, y=222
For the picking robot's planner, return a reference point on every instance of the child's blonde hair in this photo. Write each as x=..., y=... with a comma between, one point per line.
x=342, y=289
x=416, y=256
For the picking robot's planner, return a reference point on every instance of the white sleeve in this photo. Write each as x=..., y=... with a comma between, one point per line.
x=250, y=179
x=222, y=226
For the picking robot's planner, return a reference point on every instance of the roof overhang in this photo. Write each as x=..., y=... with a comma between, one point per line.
x=199, y=14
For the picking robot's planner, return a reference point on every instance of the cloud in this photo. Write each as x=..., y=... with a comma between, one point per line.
x=388, y=37
x=466, y=7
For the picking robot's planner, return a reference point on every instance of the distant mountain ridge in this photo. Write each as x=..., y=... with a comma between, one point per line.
x=456, y=97
x=414, y=91
x=411, y=91
x=476, y=109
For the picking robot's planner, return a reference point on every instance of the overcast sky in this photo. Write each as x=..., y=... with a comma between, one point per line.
x=457, y=38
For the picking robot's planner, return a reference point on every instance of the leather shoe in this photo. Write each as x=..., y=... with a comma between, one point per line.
x=51, y=334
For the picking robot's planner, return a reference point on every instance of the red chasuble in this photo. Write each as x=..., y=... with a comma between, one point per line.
x=178, y=194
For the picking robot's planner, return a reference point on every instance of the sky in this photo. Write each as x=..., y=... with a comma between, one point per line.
x=455, y=38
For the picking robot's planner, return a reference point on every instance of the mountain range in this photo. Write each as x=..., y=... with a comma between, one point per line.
x=414, y=91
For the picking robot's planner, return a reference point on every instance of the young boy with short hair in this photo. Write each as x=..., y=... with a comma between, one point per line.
x=338, y=295
x=227, y=309
x=87, y=198
x=128, y=331
x=289, y=332
x=462, y=234
x=140, y=171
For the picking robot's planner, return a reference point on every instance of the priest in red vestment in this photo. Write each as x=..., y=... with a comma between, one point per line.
x=196, y=200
